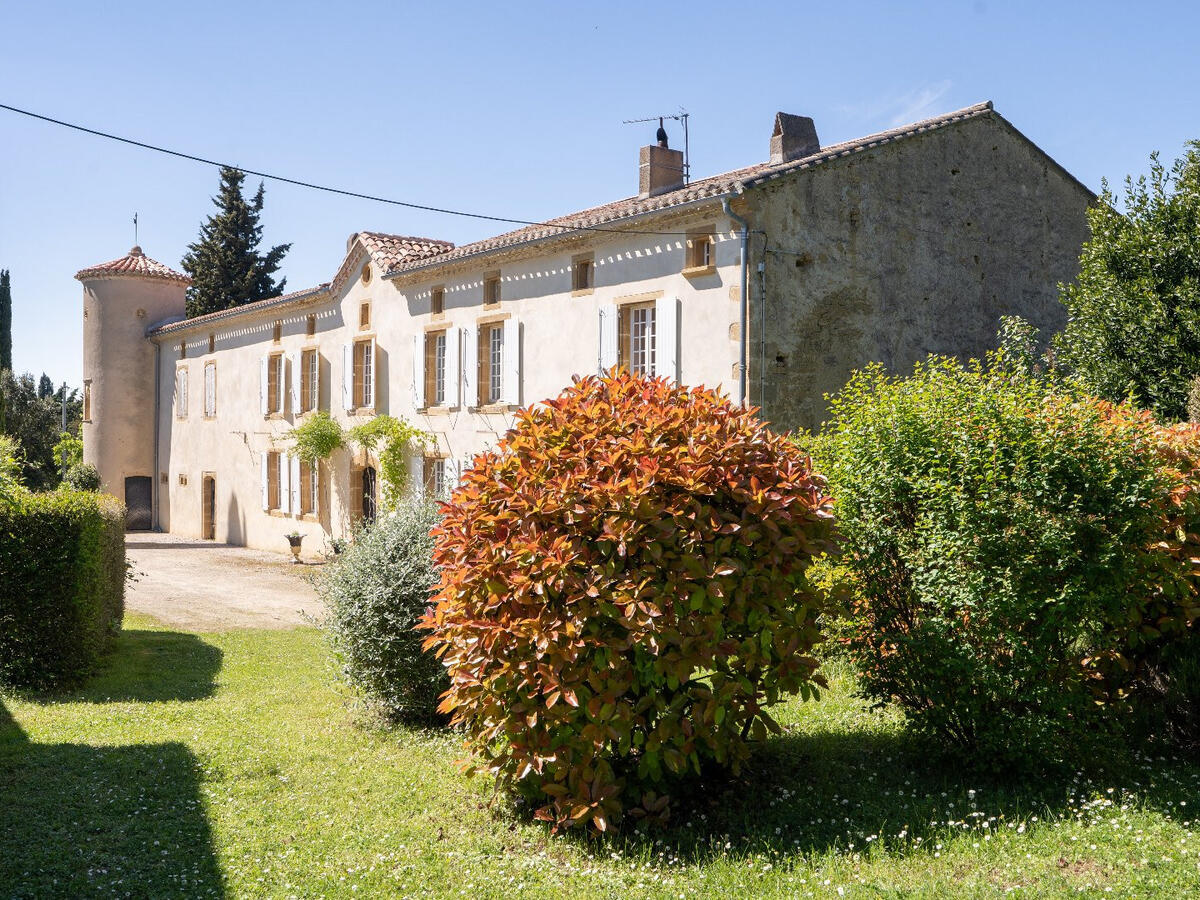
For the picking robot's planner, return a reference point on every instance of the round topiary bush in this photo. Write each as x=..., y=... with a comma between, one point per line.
x=623, y=594
x=82, y=477
x=1015, y=554
x=375, y=594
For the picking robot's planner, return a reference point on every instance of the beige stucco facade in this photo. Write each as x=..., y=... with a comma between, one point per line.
x=914, y=242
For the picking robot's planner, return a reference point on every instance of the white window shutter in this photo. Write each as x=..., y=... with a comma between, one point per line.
x=666, y=338
x=453, y=367
x=295, y=462
x=608, y=337
x=285, y=489
x=510, y=363
x=348, y=377
x=295, y=382
x=418, y=372
x=374, y=385
x=470, y=360
x=417, y=467
x=266, y=487
x=280, y=383
x=262, y=386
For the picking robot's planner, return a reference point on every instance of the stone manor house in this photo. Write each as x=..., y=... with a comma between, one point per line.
x=772, y=282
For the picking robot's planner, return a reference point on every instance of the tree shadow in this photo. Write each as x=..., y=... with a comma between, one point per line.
x=79, y=820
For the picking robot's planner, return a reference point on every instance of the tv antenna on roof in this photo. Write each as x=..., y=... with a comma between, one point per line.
x=681, y=116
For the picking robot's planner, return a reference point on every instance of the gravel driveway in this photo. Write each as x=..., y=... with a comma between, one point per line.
x=203, y=586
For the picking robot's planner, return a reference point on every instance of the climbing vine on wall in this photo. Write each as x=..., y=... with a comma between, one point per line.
x=391, y=439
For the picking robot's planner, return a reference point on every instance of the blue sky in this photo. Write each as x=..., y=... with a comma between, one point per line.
x=509, y=109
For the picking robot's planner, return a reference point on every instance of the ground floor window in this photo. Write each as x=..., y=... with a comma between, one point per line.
x=310, y=489
x=435, y=477
x=272, y=480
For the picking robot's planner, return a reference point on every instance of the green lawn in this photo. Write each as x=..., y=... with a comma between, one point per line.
x=227, y=764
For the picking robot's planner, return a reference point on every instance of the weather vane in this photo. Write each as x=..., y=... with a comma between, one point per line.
x=135, y=229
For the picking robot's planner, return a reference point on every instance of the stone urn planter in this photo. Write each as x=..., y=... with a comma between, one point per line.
x=294, y=540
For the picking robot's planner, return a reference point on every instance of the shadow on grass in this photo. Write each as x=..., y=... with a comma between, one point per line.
x=82, y=820
x=838, y=791
x=78, y=820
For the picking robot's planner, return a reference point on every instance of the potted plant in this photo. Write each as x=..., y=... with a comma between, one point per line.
x=294, y=539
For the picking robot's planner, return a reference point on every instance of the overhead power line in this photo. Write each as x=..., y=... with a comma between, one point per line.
x=325, y=188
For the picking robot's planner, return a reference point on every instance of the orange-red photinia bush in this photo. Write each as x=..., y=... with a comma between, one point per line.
x=623, y=594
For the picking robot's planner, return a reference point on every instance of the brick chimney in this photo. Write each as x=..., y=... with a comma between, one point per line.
x=659, y=170
x=794, y=137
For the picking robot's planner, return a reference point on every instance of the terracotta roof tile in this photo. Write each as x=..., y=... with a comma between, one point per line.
x=712, y=187
x=258, y=305
x=134, y=264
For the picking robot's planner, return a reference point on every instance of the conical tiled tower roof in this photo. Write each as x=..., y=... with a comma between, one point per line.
x=135, y=264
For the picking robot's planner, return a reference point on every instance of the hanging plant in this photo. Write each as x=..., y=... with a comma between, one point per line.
x=316, y=438
x=391, y=439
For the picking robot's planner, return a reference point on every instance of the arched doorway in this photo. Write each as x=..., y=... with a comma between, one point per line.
x=368, y=494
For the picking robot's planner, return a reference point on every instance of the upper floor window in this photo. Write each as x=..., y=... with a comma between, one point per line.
x=701, y=250
x=435, y=368
x=491, y=353
x=277, y=332
x=181, y=393
x=212, y=342
x=583, y=269
x=87, y=401
x=183, y=349
x=364, y=374
x=310, y=381
x=491, y=290
x=271, y=384
x=364, y=316
x=210, y=390
x=310, y=326
x=437, y=301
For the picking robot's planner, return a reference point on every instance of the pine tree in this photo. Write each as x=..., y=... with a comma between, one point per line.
x=5, y=321
x=45, y=387
x=226, y=268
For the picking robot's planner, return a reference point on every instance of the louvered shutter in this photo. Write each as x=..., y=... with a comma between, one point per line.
x=266, y=486
x=295, y=465
x=510, y=363
x=285, y=490
x=666, y=337
x=295, y=382
x=417, y=467
x=453, y=368
x=280, y=383
x=468, y=367
x=608, y=337
x=419, y=399
x=262, y=386
x=348, y=377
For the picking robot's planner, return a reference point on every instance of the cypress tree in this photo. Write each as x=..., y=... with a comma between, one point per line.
x=226, y=268
x=45, y=387
x=5, y=322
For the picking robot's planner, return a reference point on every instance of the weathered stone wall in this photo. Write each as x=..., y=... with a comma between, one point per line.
x=903, y=250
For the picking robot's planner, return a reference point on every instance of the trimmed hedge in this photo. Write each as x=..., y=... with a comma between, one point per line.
x=62, y=585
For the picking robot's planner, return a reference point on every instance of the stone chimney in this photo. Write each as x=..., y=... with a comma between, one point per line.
x=659, y=170
x=794, y=137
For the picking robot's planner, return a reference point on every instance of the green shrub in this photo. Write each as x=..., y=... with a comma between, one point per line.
x=83, y=477
x=375, y=593
x=1007, y=553
x=62, y=585
x=623, y=594
x=10, y=470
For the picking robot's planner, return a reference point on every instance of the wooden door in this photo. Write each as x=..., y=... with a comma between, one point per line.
x=208, y=524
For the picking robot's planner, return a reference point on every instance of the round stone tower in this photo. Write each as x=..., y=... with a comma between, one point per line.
x=122, y=299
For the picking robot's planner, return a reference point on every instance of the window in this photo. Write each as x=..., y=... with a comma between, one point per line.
x=491, y=346
x=637, y=339
x=366, y=273
x=364, y=317
x=701, y=247
x=87, y=401
x=435, y=476
x=277, y=332
x=310, y=381
x=310, y=326
x=181, y=394
x=583, y=270
x=183, y=349
x=210, y=390
x=437, y=301
x=272, y=480
x=274, y=385
x=364, y=373
x=491, y=290
x=310, y=488
x=435, y=368
x=212, y=342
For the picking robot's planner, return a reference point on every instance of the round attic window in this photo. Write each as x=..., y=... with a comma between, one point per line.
x=366, y=273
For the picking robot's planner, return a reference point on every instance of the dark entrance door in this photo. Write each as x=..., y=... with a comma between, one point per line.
x=208, y=512
x=368, y=495
x=139, y=515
